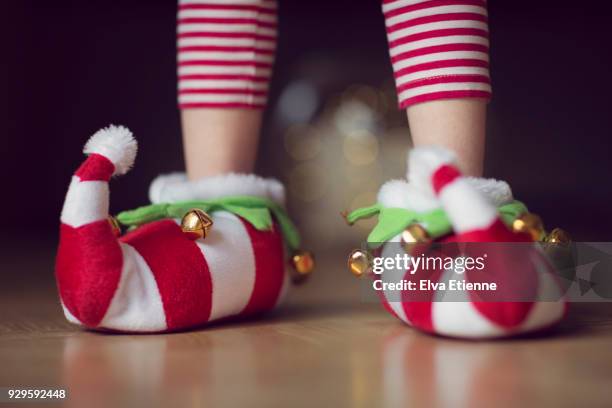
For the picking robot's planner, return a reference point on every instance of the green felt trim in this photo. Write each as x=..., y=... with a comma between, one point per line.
x=364, y=212
x=509, y=212
x=392, y=221
x=256, y=211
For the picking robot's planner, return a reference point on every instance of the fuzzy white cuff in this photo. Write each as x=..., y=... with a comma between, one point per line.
x=402, y=194
x=176, y=187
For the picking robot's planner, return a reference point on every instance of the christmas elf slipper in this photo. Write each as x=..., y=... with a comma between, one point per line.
x=438, y=212
x=202, y=251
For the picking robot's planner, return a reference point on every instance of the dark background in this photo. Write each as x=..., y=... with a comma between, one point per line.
x=69, y=68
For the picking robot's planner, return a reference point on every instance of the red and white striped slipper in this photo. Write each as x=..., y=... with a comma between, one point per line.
x=440, y=214
x=177, y=267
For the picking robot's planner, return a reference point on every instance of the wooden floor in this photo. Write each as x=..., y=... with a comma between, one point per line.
x=325, y=349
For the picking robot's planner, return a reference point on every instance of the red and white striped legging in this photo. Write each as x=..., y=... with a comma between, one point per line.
x=439, y=50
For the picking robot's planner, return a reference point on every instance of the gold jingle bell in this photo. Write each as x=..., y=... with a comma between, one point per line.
x=558, y=236
x=562, y=256
x=303, y=264
x=414, y=234
x=114, y=226
x=529, y=223
x=196, y=224
x=359, y=262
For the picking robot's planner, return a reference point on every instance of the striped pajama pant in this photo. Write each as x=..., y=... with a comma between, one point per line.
x=438, y=50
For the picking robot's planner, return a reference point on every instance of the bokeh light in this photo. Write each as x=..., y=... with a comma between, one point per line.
x=353, y=140
x=302, y=142
x=360, y=147
x=308, y=181
x=298, y=102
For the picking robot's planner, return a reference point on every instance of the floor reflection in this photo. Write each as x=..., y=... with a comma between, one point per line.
x=152, y=370
x=99, y=370
x=331, y=362
x=423, y=371
x=213, y=368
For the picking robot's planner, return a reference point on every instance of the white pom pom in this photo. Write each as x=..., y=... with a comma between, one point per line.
x=401, y=194
x=117, y=144
x=497, y=191
x=423, y=162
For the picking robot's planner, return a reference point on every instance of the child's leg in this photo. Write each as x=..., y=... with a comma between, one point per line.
x=183, y=269
x=225, y=56
x=218, y=141
x=456, y=124
x=439, y=51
